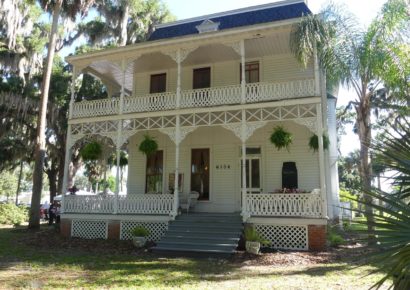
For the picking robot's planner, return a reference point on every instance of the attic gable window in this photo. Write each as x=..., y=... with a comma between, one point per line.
x=207, y=26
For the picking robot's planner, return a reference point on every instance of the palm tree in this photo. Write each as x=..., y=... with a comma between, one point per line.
x=392, y=210
x=57, y=8
x=356, y=58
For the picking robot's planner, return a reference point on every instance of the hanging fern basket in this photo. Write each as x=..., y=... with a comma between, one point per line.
x=314, y=142
x=148, y=146
x=281, y=138
x=91, y=151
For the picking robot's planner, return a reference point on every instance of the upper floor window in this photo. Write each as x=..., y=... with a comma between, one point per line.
x=202, y=78
x=251, y=72
x=158, y=83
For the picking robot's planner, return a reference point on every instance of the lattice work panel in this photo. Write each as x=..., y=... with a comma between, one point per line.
x=157, y=229
x=285, y=237
x=89, y=229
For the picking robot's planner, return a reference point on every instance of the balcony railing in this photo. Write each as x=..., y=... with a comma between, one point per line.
x=308, y=205
x=208, y=97
x=159, y=204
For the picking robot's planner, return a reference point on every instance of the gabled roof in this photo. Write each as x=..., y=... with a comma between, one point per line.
x=236, y=18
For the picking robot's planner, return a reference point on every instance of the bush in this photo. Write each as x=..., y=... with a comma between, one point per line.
x=252, y=235
x=10, y=214
x=139, y=232
x=334, y=238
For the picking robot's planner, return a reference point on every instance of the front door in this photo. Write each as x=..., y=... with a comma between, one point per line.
x=200, y=172
x=253, y=175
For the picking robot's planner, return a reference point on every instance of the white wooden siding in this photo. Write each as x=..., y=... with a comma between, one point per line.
x=225, y=150
x=273, y=68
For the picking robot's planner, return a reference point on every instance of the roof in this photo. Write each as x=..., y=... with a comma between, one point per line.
x=236, y=18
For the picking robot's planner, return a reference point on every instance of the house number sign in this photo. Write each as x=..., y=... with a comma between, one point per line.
x=223, y=166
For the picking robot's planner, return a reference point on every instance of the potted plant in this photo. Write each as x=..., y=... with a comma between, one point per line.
x=314, y=142
x=139, y=236
x=149, y=145
x=91, y=151
x=281, y=138
x=254, y=240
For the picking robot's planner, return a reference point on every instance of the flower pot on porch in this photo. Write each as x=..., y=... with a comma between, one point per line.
x=139, y=242
x=253, y=247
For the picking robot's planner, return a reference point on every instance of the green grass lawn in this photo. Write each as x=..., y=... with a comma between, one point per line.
x=45, y=260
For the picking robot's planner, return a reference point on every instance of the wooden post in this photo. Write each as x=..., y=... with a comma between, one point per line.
x=176, y=180
x=243, y=138
x=321, y=159
x=67, y=160
x=316, y=71
x=243, y=76
x=179, y=60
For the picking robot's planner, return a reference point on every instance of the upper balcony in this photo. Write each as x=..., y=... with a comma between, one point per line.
x=198, y=98
x=128, y=72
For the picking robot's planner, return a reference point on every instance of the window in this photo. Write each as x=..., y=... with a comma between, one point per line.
x=158, y=83
x=251, y=72
x=154, y=172
x=202, y=78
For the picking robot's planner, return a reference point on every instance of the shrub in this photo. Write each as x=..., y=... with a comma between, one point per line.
x=252, y=235
x=139, y=232
x=10, y=214
x=334, y=238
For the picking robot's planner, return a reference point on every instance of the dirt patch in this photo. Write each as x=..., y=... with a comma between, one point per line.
x=49, y=239
x=348, y=253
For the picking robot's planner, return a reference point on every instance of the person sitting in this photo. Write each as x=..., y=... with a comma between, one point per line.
x=52, y=213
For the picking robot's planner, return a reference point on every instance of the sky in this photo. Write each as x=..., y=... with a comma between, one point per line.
x=365, y=11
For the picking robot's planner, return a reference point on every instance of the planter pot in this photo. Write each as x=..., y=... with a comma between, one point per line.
x=139, y=242
x=253, y=247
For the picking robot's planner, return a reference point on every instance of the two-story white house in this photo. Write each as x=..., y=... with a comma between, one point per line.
x=210, y=90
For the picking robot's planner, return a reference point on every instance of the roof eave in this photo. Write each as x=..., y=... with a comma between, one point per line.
x=180, y=39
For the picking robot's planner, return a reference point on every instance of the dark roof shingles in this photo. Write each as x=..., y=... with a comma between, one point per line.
x=235, y=20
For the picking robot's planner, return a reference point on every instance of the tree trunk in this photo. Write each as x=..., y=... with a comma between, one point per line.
x=19, y=182
x=40, y=150
x=123, y=24
x=52, y=180
x=364, y=129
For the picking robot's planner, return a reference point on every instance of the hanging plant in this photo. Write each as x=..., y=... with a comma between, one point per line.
x=148, y=146
x=91, y=151
x=281, y=138
x=314, y=142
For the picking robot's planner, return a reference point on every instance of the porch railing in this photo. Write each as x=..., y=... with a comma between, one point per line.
x=160, y=204
x=285, y=205
x=207, y=97
x=95, y=108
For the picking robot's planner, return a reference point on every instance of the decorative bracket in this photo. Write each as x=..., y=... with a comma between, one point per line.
x=244, y=130
x=172, y=133
x=182, y=55
x=310, y=123
x=236, y=46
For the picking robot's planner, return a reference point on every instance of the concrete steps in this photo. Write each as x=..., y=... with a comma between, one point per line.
x=202, y=233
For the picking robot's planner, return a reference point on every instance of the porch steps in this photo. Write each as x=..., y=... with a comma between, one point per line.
x=202, y=233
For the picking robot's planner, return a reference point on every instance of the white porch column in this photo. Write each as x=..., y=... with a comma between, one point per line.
x=117, y=173
x=176, y=180
x=316, y=71
x=243, y=139
x=73, y=77
x=178, y=61
x=321, y=159
x=67, y=160
x=243, y=76
x=123, y=68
